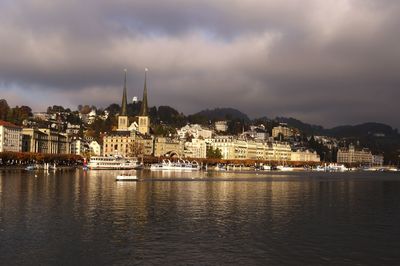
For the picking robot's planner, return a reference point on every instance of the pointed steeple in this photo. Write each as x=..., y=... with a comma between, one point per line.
x=144, y=106
x=124, y=99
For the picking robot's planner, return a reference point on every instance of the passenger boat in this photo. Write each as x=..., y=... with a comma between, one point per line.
x=176, y=166
x=112, y=162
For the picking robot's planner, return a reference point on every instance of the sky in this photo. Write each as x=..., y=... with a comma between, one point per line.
x=329, y=62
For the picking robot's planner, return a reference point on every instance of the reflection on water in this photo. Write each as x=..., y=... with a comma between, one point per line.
x=199, y=217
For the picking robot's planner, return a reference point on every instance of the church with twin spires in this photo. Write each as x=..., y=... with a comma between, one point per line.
x=128, y=137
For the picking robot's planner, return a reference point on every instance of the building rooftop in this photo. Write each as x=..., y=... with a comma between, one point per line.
x=8, y=124
x=120, y=133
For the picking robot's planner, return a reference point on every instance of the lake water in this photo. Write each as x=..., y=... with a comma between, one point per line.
x=75, y=217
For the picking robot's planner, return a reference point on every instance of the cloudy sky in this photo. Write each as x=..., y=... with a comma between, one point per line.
x=328, y=62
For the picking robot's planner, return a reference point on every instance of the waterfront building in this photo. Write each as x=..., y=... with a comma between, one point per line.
x=305, y=156
x=196, y=148
x=118, y=143
x=221, y=126
x=351, y=155
x=278, y=151
x=79, y=146
x=34, y=140
x=238, y=149
x=195, y=131
x=10, y=137
x=127, y=144
x=251, y=150
x=168, y=147
x=282, y=130
x=58, y=143
x=45, y=140
x=144, y=144
x=225, y=144
x=95, y=148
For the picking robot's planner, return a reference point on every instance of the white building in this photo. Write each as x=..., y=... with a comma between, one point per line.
x=78, y=146
x=282, y=130
x=221, y=126
x=304, y=156
x=197, y=148
x=10, y=137
x=73, y=129
x=277, y=151
x=95, y=148
x=237, y=149
x=41, y=116
x=91, y=117
x=196, y=131
x=226, y=144
x=351, y=155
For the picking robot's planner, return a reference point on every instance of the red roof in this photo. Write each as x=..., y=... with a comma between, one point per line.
x=7, y=124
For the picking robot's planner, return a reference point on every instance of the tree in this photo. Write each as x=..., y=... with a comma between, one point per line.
x=113, y=109
x=213, y=153
x=4, y=109
x=55, y=109
x=136, y=149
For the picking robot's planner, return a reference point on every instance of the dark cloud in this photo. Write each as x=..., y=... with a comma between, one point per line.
x=328, y=62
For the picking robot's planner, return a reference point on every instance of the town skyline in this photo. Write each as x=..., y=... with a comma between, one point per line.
x=327, y=63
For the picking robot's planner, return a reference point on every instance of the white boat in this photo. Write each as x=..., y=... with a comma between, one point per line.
x=180, y=165
x=333, y=167
x=112, y=162
x=220, y=167
x=284, y=168
x=126, y=178
x=266, y=168
x=320, y=168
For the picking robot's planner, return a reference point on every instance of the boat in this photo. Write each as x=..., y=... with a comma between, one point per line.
x=126, y=178
x=266, y=168
x=320, y=168
x=112, y=162
x=333, y=167
x=31, y=167
x=220, y=167
x=284, y=168
x=180, y=165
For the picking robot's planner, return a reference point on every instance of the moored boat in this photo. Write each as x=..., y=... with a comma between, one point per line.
x=284, y=168
x=176, y=166
x=112, y=162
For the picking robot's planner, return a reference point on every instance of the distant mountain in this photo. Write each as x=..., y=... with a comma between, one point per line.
x=356, y=131
x=222, y=114
x=362, y=130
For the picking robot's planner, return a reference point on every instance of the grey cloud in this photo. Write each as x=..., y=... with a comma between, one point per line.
x=329, y=62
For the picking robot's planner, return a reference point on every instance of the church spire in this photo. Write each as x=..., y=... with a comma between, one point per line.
x=144, y=106
x=124, y=99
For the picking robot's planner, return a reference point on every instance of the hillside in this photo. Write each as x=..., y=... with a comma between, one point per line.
x=206, y=116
